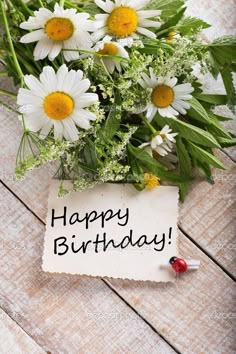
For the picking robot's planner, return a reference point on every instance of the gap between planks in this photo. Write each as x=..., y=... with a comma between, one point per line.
x=111, y=287
x=223, y=268
x=27, y=335
x=106, y=282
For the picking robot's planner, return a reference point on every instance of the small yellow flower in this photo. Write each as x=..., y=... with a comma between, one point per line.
x=170, y=37
x=151, y=181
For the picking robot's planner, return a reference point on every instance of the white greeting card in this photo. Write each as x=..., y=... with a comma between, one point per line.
x=112, y=230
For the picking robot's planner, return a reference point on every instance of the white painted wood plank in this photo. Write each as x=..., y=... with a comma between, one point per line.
x=63, y=314
x=197, y=313
x=14, y=339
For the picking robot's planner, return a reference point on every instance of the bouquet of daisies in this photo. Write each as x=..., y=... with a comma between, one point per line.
x=109, y=90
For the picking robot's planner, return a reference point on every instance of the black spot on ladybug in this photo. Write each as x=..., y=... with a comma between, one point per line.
x=172, y=260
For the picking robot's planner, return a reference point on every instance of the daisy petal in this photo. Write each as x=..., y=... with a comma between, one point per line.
x=80, y=88
x=152, y=110
x=55, y=51
x=70, y=131
x=34, y=123
x=45, y=130
x=61, y=77
x=139, y=4
x=34, y=85
x=42, y=49
x=25, y=96
x=179, y=107
x=80, y=119
x=148, y=23
x=48, y=79
x=58, y=130
x=106, y=6
x=33, y=36
x=148, y=13
x=171, y=82
x=184, y=89
x=146, y=32
x=86, y=100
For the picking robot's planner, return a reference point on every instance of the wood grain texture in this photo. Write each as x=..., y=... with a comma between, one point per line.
x=209, y=212
x=63, y=314
x=220, y=14
x=14, y=339
x=197, y=314
x=75, y=314
x=197, y=216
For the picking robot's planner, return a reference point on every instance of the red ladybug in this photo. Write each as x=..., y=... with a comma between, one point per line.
x=178, y=264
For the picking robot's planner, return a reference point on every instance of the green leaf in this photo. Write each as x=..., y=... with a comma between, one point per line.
x=88, y=7
x=168, y=7
x=222, y=119
x=223, y=50
x=112, y=123
x=173, y=21
x=190, y=25
x=152, y=46
x=217, y=100
x=197, y=111
x=143, y=134
x=137, y=172
x=136, y=169
x=185, y=166
x=204, y=156
x=227, y=77
x=206, y=168
x=149, y=164
x=90, y=156
x=225, y=143
x=189, y=131
x=216, y=128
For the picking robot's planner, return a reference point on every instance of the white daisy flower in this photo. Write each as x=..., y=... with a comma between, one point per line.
x=165, y=136
x=58, y=30
x=162, y=142
x=57, y=100
x=168, y=99
x=107, y=47
x=125, y=19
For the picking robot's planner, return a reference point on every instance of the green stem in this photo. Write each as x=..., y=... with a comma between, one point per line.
x=148, y=124
x=28, y=66
x=23, y=123
x=96, y=54
x=62, y=3
x=71, y=6
x=105, y=69
x=17, y=66
x=7, y=93
x=25, y=7
x=40, y=3
x=165, y=31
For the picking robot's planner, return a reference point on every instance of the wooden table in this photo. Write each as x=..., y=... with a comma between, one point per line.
x=42, y=313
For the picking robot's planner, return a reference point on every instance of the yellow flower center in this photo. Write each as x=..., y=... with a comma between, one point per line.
x=109, y=49
x=151, y=181
x=164, y=136
x=59, y=28
x=123, y=21
x=162, y=96
x=58, y=105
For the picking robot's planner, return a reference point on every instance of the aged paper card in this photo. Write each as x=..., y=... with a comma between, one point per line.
x=112, y=230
